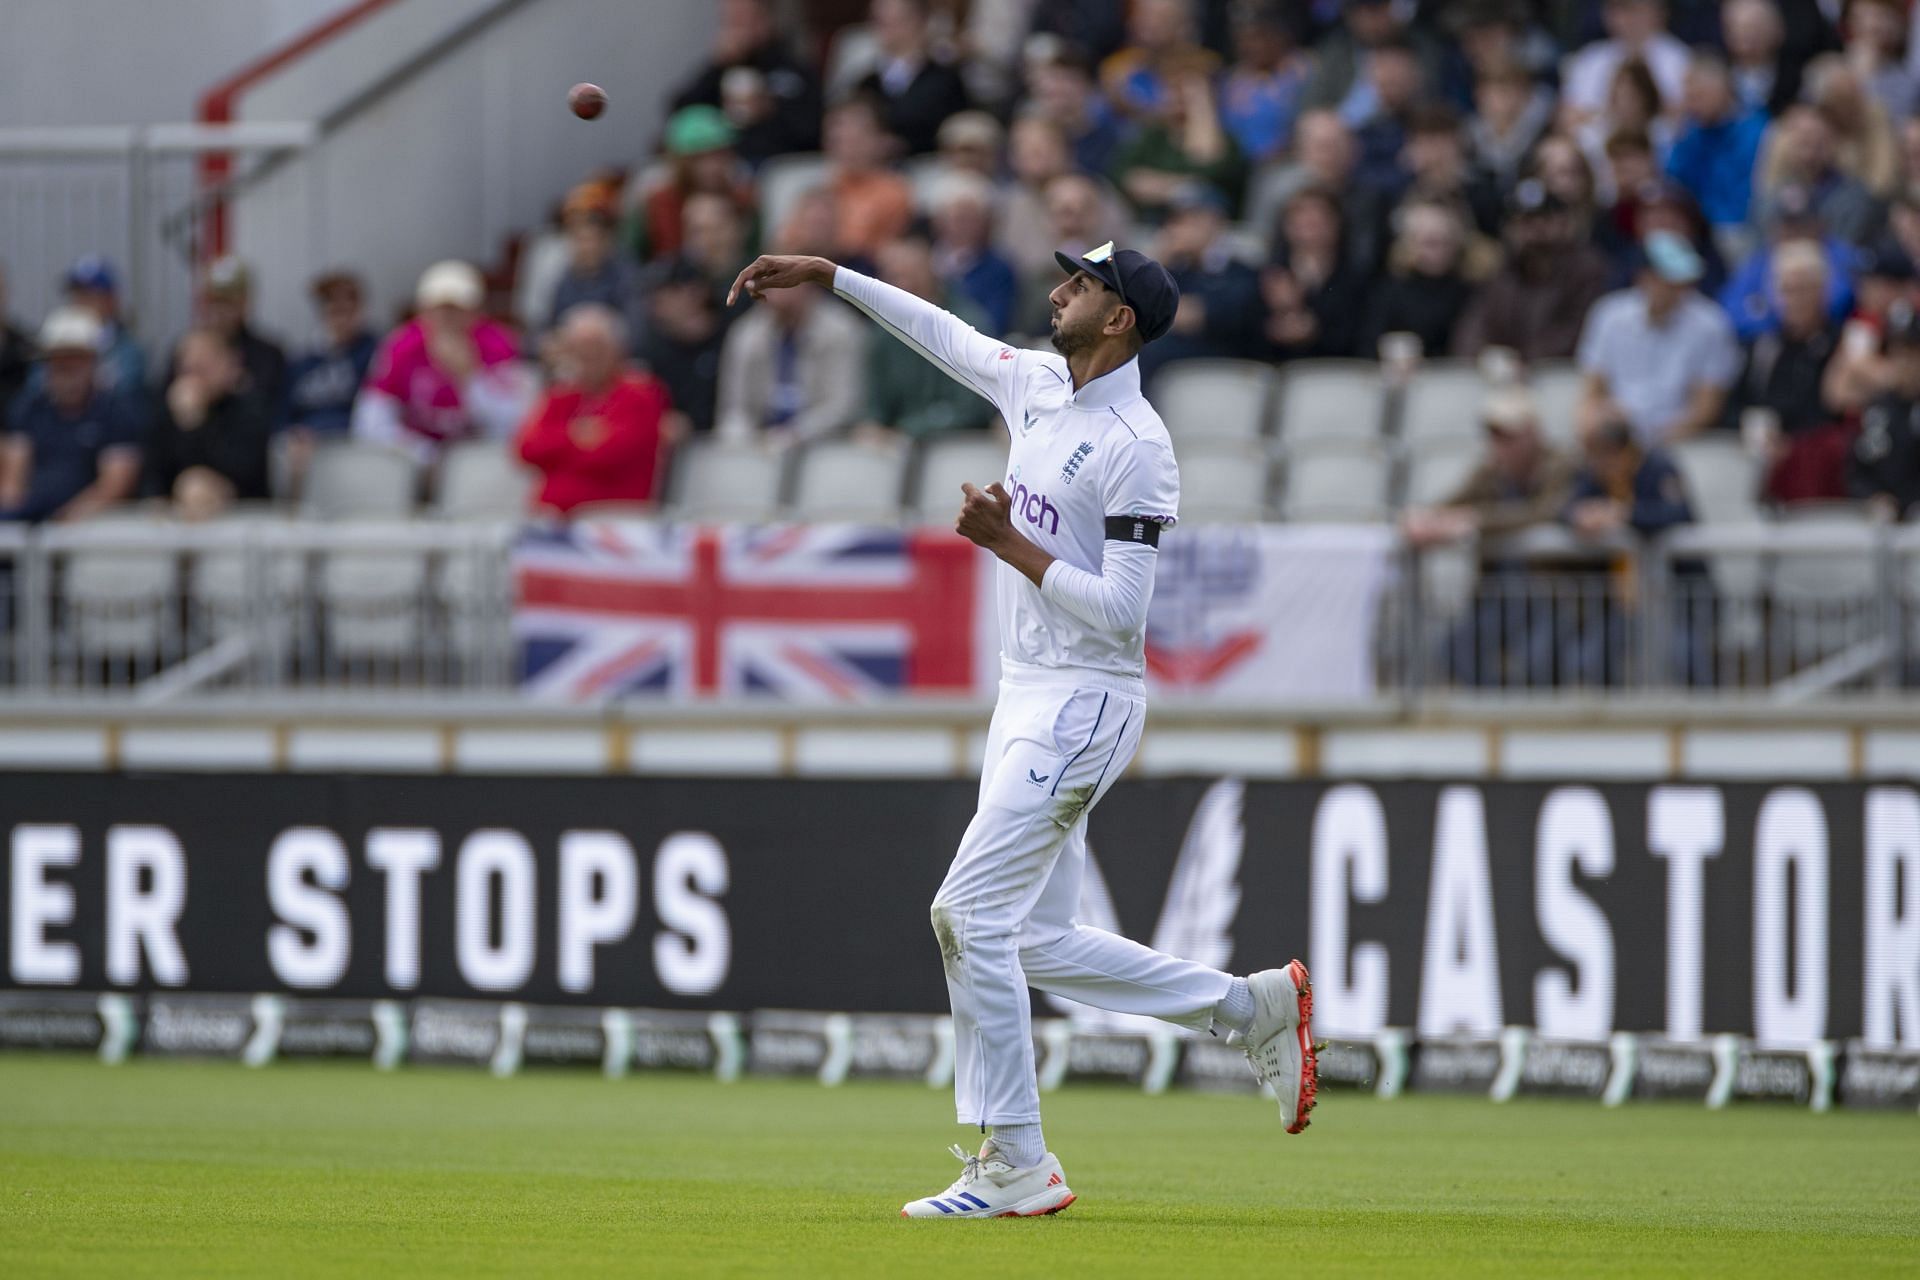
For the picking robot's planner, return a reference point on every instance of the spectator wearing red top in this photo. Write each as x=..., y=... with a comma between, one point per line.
x=596, y=435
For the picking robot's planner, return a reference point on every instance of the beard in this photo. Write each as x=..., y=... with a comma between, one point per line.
x=1066, y=341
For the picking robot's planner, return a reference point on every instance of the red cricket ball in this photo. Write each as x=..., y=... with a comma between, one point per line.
x=587, y=100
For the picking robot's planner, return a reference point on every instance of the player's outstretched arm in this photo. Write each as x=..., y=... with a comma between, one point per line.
x=780, y=271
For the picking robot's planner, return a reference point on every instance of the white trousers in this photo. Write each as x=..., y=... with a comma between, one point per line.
x=1005, y=916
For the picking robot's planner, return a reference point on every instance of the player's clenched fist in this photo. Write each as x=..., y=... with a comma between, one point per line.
x=780, y=271
x=984, y=516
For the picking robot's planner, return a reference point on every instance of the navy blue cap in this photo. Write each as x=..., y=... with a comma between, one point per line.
x=91, y=272
x=1142, y=284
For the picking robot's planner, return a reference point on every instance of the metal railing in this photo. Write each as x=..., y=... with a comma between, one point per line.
x=137, y=611
x=151, y=612
x=135, y=195
x=1785, y=611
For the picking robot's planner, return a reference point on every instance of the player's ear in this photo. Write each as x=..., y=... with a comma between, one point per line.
x=1122, y=320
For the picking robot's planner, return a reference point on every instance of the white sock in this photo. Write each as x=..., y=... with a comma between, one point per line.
x=1235, y=1010
x=1021, y=1144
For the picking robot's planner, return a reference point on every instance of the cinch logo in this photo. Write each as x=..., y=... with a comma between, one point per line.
x=1034, y=507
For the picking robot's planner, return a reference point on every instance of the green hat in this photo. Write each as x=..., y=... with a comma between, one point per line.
x=691, y=130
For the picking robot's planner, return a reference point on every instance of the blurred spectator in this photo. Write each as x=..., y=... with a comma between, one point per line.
x=1435, y=158
x=449, y=374
x=1098, y=26
x=686, y=329
x=1142, y=78
x=1633, y=106
x=908, y=395
x=1659, y=205
x=1538, y=301
x=791, y=369
x=1038, y=154
x=1510, y=112
x=1658, y=355
x=226, y=298
x=596, y=271
x=1564, y=171
x=16, y=355
x=1426, y=286
x=1885, y=466
x=1866, y=146
x=714, y=237
x=1398, y=85
x=1220, y=312
x=1519, y=482
x=1078, y=219
x=72, y=446
x=1182, y=143
x=322, y=384
x=1765, y=75
x=916, y=88
x=1260, y=93
x=1781, y=388
x=1713, y=156
x=596, y=436
x=1064, y=91
x=1860, y=370
x=1494, y=35
x=700, y=150
x=971, y=142
x=1803, y=150
x=1876, y=47
x=92, y=285
x=771, y=97
x=1748, y=295
x=1325, y=158
x=1909, y=156
x=1342, y=77
x=1623, y=485
x=813, y=224
x=963, y=252
x=1313, y=295
x=208, y=449
x=1636, y=31
x=872, y=204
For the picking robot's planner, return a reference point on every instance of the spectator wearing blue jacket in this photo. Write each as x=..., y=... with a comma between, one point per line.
x=963, y=252
x=1714, y=156
x=322, y=382
x=1748, y=295
x=1221, y=313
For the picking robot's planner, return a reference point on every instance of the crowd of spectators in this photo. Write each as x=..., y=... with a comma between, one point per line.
x=1712, y=207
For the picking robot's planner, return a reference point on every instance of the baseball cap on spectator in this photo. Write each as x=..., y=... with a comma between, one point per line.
x=589, y=200
x=92, y=272
x=70, y=329
x=450, y=284
x=1509, y=409
x=1142, y=284
x=1669, y=256
x=699, y=128
x=227, y=278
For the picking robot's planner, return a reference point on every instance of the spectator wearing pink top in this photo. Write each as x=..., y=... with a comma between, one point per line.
x=447, y=375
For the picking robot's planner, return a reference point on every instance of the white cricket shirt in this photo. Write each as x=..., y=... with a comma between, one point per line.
x=1077, y=459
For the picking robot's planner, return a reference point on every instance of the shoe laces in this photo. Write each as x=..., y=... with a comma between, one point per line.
x=967, y=1174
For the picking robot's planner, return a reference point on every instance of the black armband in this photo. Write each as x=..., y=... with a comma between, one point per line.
x=1133, y=529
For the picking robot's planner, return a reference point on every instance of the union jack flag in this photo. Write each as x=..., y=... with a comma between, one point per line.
x=812, y=613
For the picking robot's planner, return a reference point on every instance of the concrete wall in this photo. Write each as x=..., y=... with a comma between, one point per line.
x=476, y=146
x=95, y=62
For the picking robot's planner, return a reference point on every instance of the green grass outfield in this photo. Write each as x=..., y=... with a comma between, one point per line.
x=158, y=1168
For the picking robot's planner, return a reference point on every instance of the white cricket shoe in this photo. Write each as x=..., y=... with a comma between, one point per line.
x=989, y=1187
x=1280, y=1045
